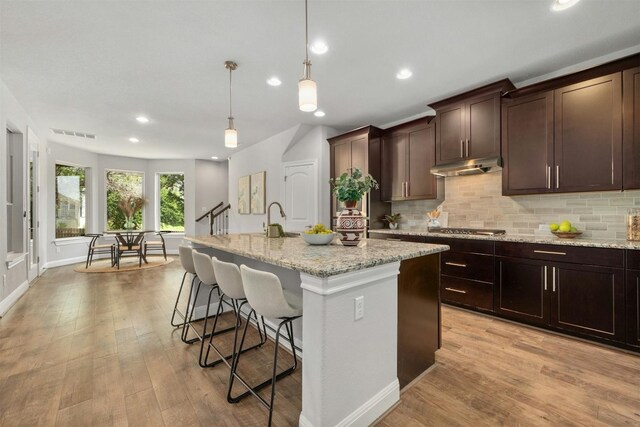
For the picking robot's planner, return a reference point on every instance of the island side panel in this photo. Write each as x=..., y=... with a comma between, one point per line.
x=418, y=316
x=349, y=374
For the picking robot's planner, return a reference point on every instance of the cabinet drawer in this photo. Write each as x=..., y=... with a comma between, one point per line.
x=399, y=237
x=633, y=259
x=562, y=253
x=466, y=292
x=464, y=245
x=468, y=266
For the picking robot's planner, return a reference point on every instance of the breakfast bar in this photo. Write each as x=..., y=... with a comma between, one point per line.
x=350, y=326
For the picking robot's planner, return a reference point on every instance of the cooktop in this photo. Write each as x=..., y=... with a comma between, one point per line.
x=474, y=231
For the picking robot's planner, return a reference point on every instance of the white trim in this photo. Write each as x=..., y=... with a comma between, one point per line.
x=67, y=241
x=14, y=259
x=368, y=412
x=13, y=297
x=66, y=261
x=343, y=282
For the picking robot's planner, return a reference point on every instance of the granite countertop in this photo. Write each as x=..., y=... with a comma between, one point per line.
x=550, y=240
x=320, y=261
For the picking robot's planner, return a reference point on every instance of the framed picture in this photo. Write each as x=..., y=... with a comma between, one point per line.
x=258, y=193
x=244, y=195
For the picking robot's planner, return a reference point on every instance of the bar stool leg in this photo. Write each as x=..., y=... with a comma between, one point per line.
x=175, y=306
x=189, y=315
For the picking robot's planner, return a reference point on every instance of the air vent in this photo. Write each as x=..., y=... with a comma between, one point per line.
x=73, y=133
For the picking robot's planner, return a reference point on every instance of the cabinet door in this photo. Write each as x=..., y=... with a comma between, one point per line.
x=359, y=154
x=527, y=145
x=588, y=300
x=341, y=158
x=520, y=290
x=588, y=135
x=394, y=173
x=483, y=127
x=631, y=131
x=450, y=134
x=633, y=307
x=420, y=159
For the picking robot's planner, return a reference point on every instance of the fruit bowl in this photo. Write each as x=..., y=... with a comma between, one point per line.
x=567, y=234
x=318, y=239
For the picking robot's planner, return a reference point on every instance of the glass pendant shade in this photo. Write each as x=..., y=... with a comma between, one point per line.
x=230, y=138
x=307, y=95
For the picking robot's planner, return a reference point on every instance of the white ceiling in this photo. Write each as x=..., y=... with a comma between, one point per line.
x=93, y=66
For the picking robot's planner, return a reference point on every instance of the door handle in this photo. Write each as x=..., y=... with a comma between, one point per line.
x=462, y=148
x=455, y=290
x=467, y=144
x=545, y=277
x=549, y=177
x=407, y=188
x=548, y=252
x=553, y=283
x=455, y=264
x=557, y=176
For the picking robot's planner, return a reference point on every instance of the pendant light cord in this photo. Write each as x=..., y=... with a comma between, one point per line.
x=230, y=99
x=306, y=32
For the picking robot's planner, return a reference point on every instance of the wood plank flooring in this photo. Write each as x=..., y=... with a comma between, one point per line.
x=98, y=350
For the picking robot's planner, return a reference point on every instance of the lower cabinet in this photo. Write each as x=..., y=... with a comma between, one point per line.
x=580, y=299
x=633, y=307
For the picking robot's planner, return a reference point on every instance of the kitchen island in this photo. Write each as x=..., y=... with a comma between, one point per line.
x=350, y=368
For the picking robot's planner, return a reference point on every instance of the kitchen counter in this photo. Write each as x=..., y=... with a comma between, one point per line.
x=551, y=240
x=319, y=260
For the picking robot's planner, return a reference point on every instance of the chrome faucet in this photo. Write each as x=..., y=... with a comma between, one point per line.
x=274, y=231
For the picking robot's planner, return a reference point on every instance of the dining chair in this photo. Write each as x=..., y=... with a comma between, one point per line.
x=128, y=245
x=157, y=245
x=96, y=248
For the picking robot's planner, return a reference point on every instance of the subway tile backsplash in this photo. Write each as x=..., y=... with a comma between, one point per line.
x=477, y=201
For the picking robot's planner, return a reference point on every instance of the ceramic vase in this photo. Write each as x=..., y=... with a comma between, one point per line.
x=393, y=225
x=129, y=224
x=350, y=225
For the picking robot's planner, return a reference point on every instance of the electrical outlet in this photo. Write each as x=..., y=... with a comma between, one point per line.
x=359, y=308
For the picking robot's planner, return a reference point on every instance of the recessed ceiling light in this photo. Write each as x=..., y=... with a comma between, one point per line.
x=142, y=119
x=274, y=81
x=319, y=47
x=319, y=113
x=134, y=140
x=214, y=157
x=404, y=74
x=558, y=5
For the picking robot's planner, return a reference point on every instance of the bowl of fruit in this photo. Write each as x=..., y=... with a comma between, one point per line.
x=564, y=230
x=318, y=235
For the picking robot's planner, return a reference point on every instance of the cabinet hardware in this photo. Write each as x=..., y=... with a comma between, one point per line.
x=407, y=189
x=467, y=146
x=545, y=277
x=455, y=264
x=549, y=177
x=553, y=283
x=462, y=148
x=455, y=290
x=549, y=252
x=394, y=240
x=557, y=176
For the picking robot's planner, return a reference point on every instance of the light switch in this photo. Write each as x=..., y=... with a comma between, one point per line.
x=359, y=307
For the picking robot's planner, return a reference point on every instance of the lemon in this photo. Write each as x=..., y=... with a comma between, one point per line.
x=564, y=228
x=554, y=227
x=565, y=223
x=574, y=230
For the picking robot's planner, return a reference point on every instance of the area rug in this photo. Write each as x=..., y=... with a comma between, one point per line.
x=126, y=264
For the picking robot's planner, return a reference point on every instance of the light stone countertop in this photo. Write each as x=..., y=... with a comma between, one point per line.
x=551, y=240
x=321, y=260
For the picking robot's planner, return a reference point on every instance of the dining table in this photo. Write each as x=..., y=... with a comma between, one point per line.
x=130, y=238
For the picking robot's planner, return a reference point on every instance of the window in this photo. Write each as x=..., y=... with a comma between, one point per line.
x=71, y=201
x=171, y=201
x=124, y=188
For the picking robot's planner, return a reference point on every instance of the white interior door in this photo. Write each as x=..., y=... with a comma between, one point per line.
x=33, y=184
x=300, y=195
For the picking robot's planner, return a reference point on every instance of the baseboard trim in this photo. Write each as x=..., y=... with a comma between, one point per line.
x=370, y=411
x=66, y=261
x=13, y=297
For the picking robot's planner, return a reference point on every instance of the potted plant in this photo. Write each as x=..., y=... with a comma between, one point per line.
x=350, y=188
x=129, y=206
x=392, y=220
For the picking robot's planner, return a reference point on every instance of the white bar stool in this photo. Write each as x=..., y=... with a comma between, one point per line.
x=267, y=297
x=230, y=284
x=186, y=260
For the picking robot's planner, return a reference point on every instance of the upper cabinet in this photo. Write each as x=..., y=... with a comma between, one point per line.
x=631, y=128
x=468, y=125
x=408, y=152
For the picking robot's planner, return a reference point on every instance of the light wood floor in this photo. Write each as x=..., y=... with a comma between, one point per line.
x=97, y=349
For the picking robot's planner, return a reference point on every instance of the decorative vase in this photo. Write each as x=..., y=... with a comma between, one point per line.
x=350, y=224
x=393, y=225
x=129, y=224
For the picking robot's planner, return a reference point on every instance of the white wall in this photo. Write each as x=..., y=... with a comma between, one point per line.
x=211, y=188
x=301, y=142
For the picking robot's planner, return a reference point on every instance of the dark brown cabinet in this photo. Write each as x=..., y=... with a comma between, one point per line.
x=468, y=125
x=527, y=144
x=588, y=135
x=361, y=149
x=633, y=307
x=586, y=300
x=408, y=154
x=631, y=128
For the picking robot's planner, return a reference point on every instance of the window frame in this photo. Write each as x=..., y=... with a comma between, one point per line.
x=105, y=199
x=158, y=200
x=87, y=200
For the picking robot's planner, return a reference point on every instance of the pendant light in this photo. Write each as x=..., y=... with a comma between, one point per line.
x=307, y=88
x=230, y=134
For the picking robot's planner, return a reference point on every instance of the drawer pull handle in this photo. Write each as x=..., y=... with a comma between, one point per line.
x=549, y=252
x=455, y=264
x=456, y=290
x=394, y=240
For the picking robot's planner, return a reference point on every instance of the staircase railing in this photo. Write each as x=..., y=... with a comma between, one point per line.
x=218, y=219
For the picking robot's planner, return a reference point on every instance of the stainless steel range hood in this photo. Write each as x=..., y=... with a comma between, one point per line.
x=468, y=167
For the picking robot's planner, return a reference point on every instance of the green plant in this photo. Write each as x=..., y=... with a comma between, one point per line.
x=392, y=219
x=351, y=187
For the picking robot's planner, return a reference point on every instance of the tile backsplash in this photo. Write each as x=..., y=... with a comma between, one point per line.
x=476, y=201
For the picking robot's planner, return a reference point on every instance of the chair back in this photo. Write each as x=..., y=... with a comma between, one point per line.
x=138, y=240
x=186, y=258
x=229, y=279
x=94, y=239
x=204, y=268
x=265, y=294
